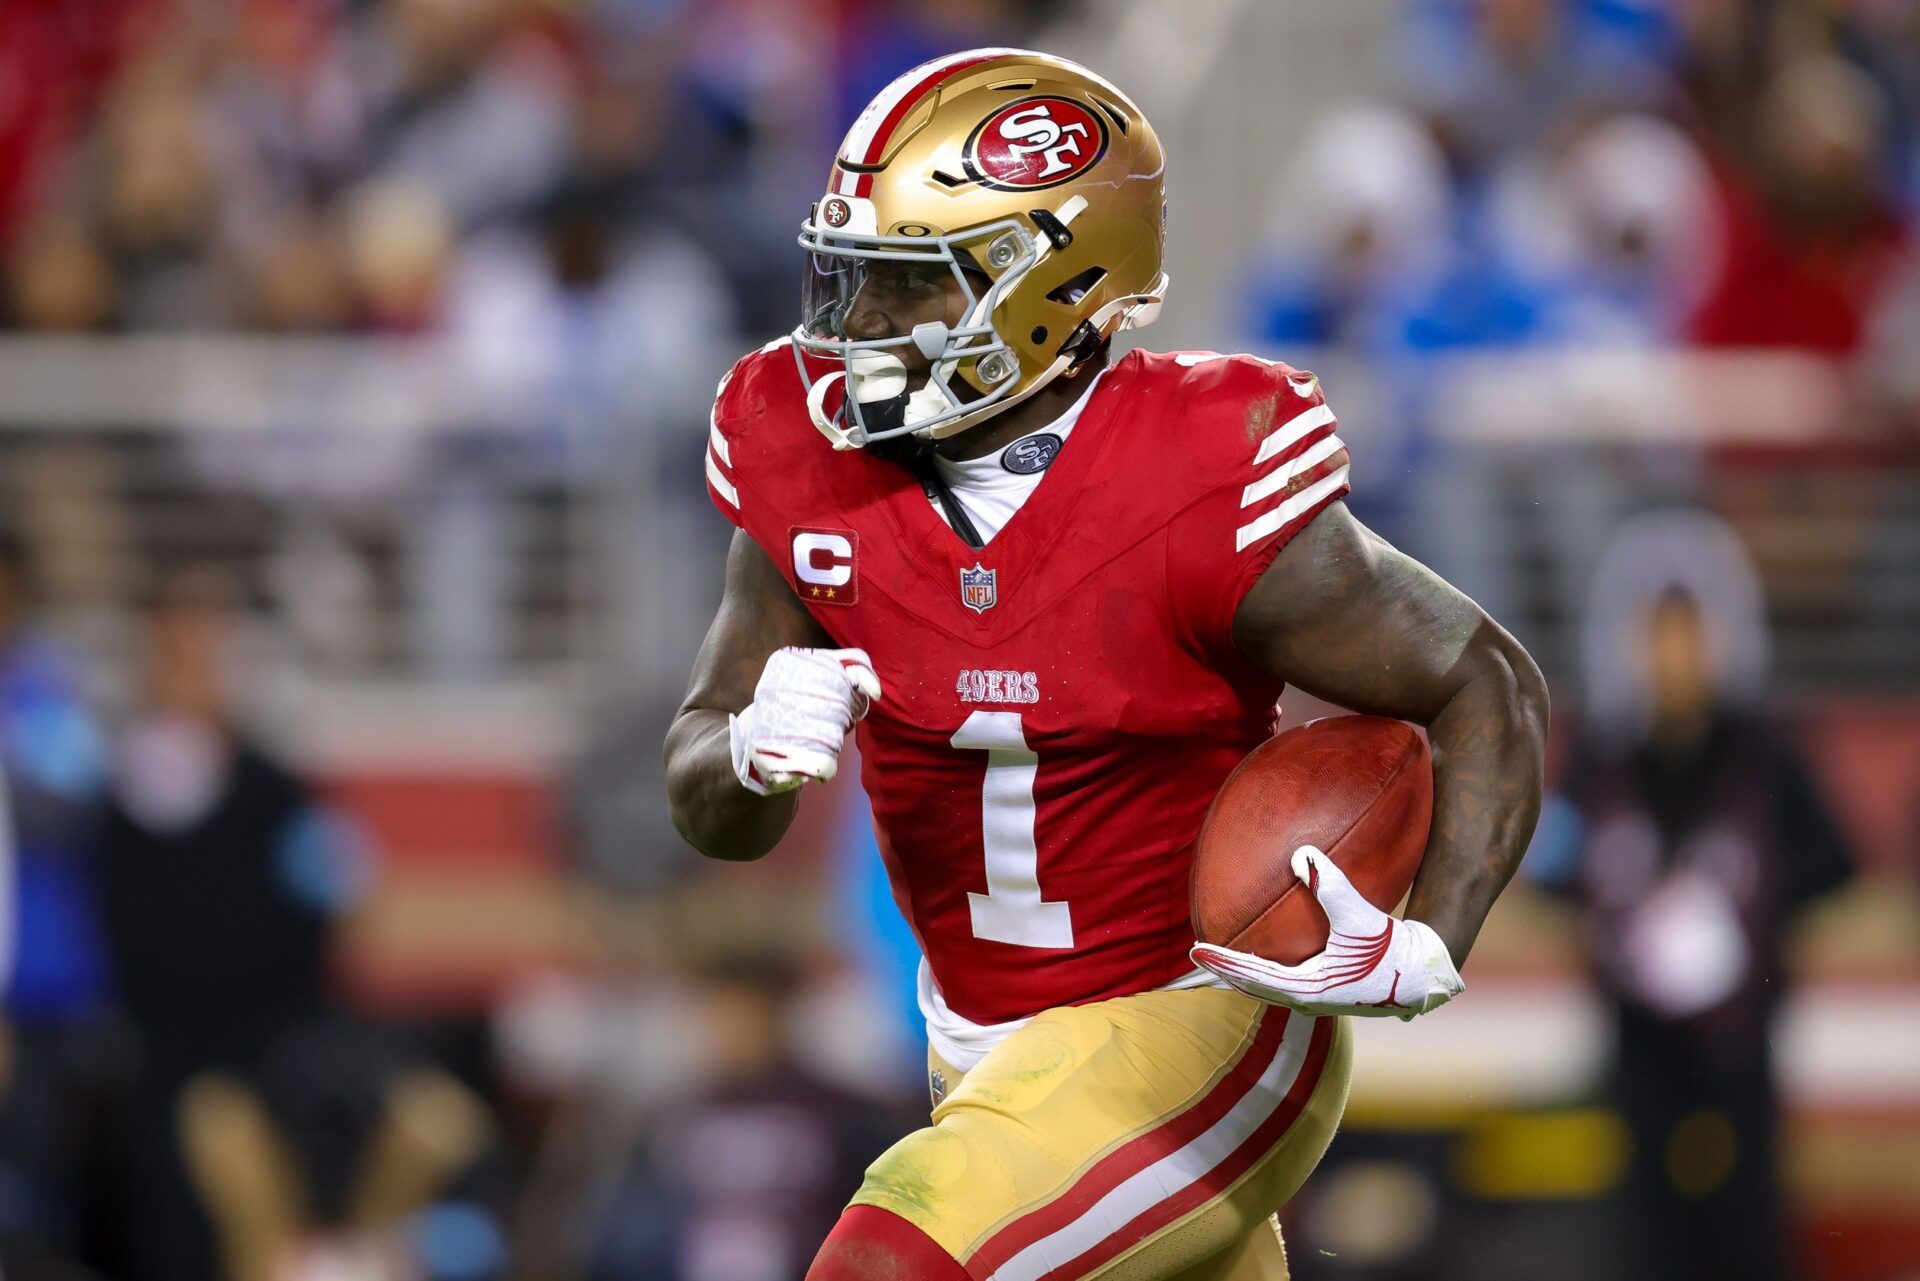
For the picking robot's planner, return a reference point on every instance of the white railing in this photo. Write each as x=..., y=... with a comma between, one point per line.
x=437, y=551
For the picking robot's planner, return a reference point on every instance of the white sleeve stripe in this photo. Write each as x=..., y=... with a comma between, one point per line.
x=1276, y=479
x=721, y=485
x=1292, y=430
x=718, y=442
x=1253, y=531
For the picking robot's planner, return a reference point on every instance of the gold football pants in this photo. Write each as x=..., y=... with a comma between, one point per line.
x=1145, y=1138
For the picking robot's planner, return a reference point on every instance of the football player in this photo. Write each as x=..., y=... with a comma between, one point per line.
x=1057, y=594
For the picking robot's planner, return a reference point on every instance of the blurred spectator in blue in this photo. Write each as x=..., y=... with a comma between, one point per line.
x=54, y=757
x=879, y=941
x=1499, y=78
x=54, y=1050
x=1360, y=234
x=221, y=874
x=1613, y=232
x=1693, y=833
x=880, y=39
x=1360, y=256
x=585, y=322
x=1374, y=251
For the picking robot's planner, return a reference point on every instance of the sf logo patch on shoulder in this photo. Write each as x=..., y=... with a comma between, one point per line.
x=1035, y=143
x=1030, y=454
x=825, y=565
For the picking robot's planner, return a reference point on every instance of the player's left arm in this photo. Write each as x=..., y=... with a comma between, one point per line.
x=1345, y=616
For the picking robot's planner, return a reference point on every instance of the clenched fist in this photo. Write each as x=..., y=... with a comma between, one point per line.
x=803, y=706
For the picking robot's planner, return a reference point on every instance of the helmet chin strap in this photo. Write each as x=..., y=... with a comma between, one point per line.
x=879, y=381
x=817, y=410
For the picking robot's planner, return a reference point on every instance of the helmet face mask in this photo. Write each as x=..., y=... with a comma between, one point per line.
x=969, y=367
x=1008, y=234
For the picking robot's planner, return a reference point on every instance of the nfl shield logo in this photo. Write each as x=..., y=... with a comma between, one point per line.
x=977, y=588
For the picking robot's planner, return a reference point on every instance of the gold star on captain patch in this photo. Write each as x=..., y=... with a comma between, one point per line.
x=816, y=591
x=829, y=593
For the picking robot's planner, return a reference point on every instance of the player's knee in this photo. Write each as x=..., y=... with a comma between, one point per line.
x=871, y=1244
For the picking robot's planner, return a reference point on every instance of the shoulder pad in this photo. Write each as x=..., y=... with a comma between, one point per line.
x=746, y=424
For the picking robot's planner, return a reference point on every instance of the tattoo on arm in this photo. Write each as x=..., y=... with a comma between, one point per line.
x=758, y=614
x=1346, y=617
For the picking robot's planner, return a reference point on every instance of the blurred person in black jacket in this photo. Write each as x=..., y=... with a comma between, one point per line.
x=220, y=872
x=274, y=1137
x=219, y=879
x=1694, y=834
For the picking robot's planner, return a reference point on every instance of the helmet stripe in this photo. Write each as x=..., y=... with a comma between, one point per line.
x=867, y=140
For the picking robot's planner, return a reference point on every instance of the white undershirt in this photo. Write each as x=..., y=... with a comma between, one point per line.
x=961, y=1043
x=987, y=490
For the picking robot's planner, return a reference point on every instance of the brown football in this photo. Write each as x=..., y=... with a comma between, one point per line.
x=1359, y=787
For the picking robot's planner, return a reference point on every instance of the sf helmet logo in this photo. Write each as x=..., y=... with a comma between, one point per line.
x=836, y=212
x=1034, y=143
x=1043, y=136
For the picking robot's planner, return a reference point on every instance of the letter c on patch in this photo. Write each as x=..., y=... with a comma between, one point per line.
x=826, y=559
x=823, y=565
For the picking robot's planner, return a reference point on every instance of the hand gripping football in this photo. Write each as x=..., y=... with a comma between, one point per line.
x=1359, y=787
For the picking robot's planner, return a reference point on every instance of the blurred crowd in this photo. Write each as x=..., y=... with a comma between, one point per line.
x=1565, y=197
x=585, y=199
x=1731, y=173
x=406, y=165
x=584, y=209
x=192, y=1088
x=174, y=1055
x=1719, y=173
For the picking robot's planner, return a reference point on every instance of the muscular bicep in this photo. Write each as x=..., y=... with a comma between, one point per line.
x=1347, y=617
x=758, y=614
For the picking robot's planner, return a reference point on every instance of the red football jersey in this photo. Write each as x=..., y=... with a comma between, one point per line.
x=1061, y=706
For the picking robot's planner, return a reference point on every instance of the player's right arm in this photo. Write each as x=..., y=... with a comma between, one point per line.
x=767, y=710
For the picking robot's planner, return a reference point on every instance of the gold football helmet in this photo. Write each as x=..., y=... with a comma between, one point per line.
x=1037, y=184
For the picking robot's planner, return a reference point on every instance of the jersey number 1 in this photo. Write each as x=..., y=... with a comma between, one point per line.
x=1011, y=911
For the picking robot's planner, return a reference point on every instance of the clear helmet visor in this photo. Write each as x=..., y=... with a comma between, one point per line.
x=901, y=291
x=828, y=288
